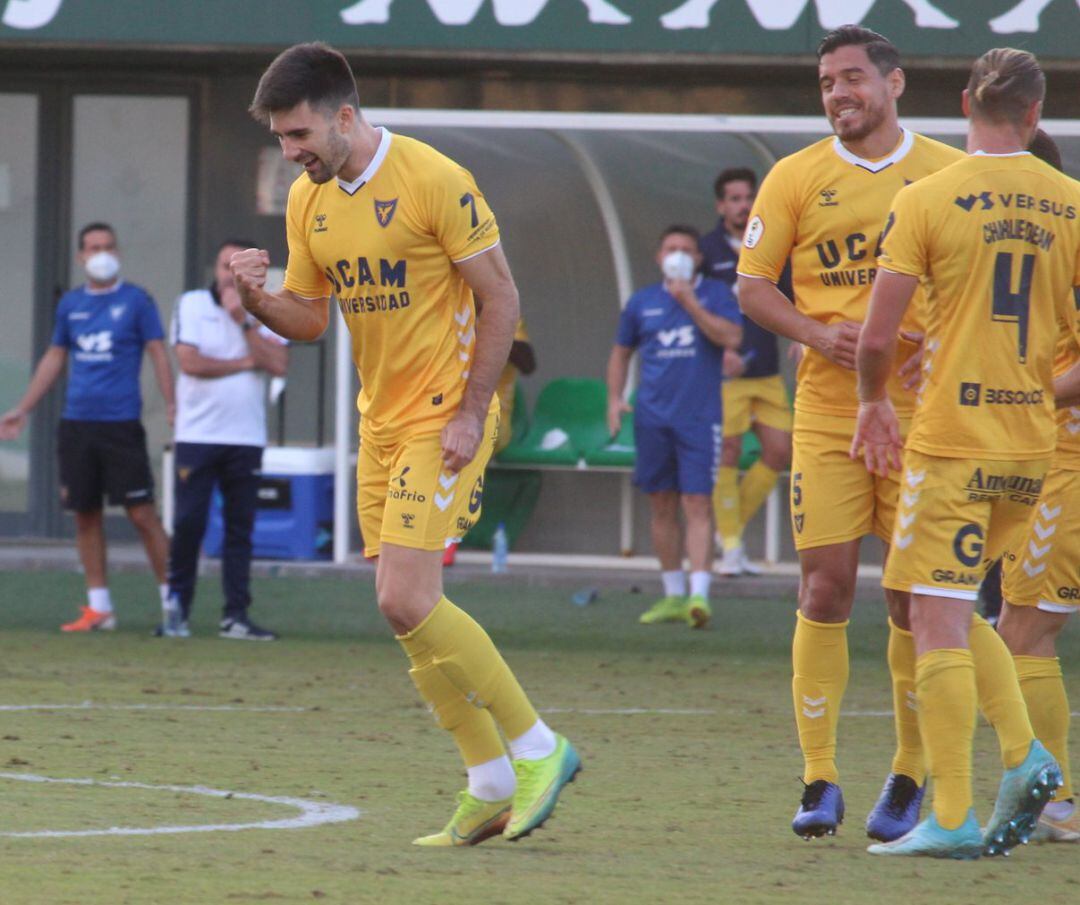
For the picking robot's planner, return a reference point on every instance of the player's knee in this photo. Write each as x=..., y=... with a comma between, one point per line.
x=777, y=456
x=697, y=507
x=731, y=452
x=826, y=597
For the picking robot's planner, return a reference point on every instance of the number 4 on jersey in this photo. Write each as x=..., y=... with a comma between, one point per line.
x=1013, y=307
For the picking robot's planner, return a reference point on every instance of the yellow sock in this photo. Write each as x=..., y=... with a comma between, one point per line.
x=945, y=683
x=472, y=728
x=908, y=759
x=463, y=652
x=725, y=502
x=819, y=658
x=1000, y=698
x=1048, y=707
x=756, y=485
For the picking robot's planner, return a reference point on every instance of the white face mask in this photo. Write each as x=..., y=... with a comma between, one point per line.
x=677, y=265
x=102, y=267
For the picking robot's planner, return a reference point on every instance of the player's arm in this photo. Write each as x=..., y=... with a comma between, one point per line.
x=718, y=330
x=618, y=367
x=289, y=315
x=159, y=358
x=46, y=373
x=1067, y=388
x=877, y=432
x=488, y=275
x=765, y=304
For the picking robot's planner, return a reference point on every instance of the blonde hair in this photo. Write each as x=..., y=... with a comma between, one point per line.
x=1004, y=83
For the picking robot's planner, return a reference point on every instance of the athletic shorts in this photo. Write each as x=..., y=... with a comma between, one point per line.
x=404, y=496
x=834, y=499
x=755, y=400
x=101, y=459
x=1043, y=570
x=955, y=517
x=682, y=459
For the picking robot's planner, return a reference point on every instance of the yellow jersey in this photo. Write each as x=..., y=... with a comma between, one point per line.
x=384, y=246
x=1067, y=452
x=505, y=391
x=824, y=208
x=996, y=241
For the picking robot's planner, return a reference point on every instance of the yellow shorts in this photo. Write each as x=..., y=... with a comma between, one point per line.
x=955, y=517
x=1043, y=569
x=834, y=499
x=755, y=400
x=405, y=497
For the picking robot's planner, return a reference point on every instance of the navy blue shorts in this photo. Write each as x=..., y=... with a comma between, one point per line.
x=683, y=459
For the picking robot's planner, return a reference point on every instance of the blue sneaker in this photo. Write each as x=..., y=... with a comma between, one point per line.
x=1024, y=792
x=821, y=810
x=897, y=809
x=930, y=840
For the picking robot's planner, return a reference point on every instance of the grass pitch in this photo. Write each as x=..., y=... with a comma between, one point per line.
x=673, y=806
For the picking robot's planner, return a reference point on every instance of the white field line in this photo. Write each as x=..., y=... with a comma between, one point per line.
x=233, y=708
x=90, y=705
x=312, y=813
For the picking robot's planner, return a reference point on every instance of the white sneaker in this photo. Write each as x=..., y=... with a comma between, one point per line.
x=731, y=565
x=748, y=567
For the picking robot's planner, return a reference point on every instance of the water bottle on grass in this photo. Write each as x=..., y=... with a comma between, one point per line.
x=499, y=550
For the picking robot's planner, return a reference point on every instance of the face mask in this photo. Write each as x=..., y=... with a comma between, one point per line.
x=677, y=265
x=102, y=267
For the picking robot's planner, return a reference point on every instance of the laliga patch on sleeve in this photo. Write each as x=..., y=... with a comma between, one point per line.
x=755, y=229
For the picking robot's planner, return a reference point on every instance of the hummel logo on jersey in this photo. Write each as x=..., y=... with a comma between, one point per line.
x=320, y=223
x=969, y=202
x=95, y=342
x=827, y=198
x=681, y=336
x=384, y=211
x=117, y=311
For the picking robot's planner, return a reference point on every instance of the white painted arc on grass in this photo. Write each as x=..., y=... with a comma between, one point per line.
x=312, y=813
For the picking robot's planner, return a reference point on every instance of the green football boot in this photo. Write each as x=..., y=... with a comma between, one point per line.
x=698, y=611
x=539, y=783
x=666, y=609
x=473, y=822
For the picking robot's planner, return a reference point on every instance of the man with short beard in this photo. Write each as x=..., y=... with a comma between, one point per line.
x=404, y=241
x=824, y=208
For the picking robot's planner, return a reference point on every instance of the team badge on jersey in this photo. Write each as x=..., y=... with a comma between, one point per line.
x=384, y=211
x=755, y=229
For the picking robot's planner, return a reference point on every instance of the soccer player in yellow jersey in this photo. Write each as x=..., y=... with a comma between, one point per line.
x=996, y=239
x=1042, y=579
x=401, y=237
x=824, y=207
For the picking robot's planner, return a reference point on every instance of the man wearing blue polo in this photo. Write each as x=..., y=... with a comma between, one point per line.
x=102, y=328
x=681, y=327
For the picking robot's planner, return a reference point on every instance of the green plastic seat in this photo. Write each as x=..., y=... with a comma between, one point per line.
x=751, y=450
x=621, y=451
x=568, y=420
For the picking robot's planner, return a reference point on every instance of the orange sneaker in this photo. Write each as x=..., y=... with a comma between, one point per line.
x=90, y=621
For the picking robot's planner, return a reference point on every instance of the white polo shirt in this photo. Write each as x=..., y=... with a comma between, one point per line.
x=229, y=409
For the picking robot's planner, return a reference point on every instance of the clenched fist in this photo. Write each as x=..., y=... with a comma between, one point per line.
x=249, y=271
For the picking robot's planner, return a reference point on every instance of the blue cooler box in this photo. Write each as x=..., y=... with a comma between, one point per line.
x=295, y=516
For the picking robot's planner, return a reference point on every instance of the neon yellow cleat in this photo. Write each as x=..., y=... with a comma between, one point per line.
x=666, y=609
x=539, y=783
x=472, y=823
x=698, y=611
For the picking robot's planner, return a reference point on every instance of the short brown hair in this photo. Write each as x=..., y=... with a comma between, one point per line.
x=312, y=72
x=1046, y=149
x=879, y=49
x=733, y=174
x=1004, y=83
x=681, y=229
